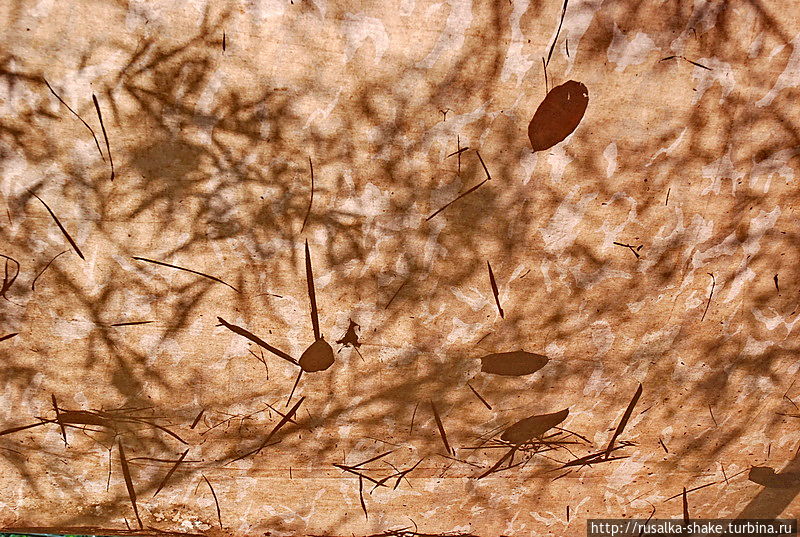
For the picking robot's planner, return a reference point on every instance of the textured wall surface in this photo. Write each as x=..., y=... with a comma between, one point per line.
x=655, y=245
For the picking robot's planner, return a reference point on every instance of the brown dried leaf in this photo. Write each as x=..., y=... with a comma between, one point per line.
x=559, y=114
x=514, y=363
x=534, y=426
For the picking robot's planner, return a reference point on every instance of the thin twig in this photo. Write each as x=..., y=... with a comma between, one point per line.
x=713, y=284
x=471, y=190
x=77, y=116
x=216, y=502
x=685, y=59
x=185, y=270
x=495, y=292
x=361, y=495
x=64, y=231
x=169, y=474
x=8, y=282
x=103, y=127
x=395, y=294
x=479, y=396
x=544, y=66
x=130, y=323
x=563, y=12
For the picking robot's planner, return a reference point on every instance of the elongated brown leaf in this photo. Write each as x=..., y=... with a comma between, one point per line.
x=297, y=381
x=499, y=463
x=402, y=474
x=395, y=295
x=159, y=427
x=289, y=415
x=558, y=31
x=350, y=470
x=479, y=396
x=495, y=292
x=692, y=490
x=105, y=135
x=685, y=507
x=593, y=458
x=156, y=459
x=169, y=474
x=372, y=459
x=710, y=295
x=312, y=295
x=461, y=150
x=625, y=417
x=257, y=340
x=514, y=363
x=83, y=417
x=483, y=164
x=284, y=420
x=197, y=419
x=24, y=427
x=126, y=473
x=58, y=419
x=440, y=425
x=131, y=323
x=534, y=426
x=278, y=412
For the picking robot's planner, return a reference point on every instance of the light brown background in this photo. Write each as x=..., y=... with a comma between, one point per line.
x=211, y=150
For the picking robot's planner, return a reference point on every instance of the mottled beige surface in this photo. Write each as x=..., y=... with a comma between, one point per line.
x=211, y=151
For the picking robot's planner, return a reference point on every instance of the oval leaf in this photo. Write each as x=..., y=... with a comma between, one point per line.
x=524, y=430
x=317, y=357
x=513, y=364
x=558, y=115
